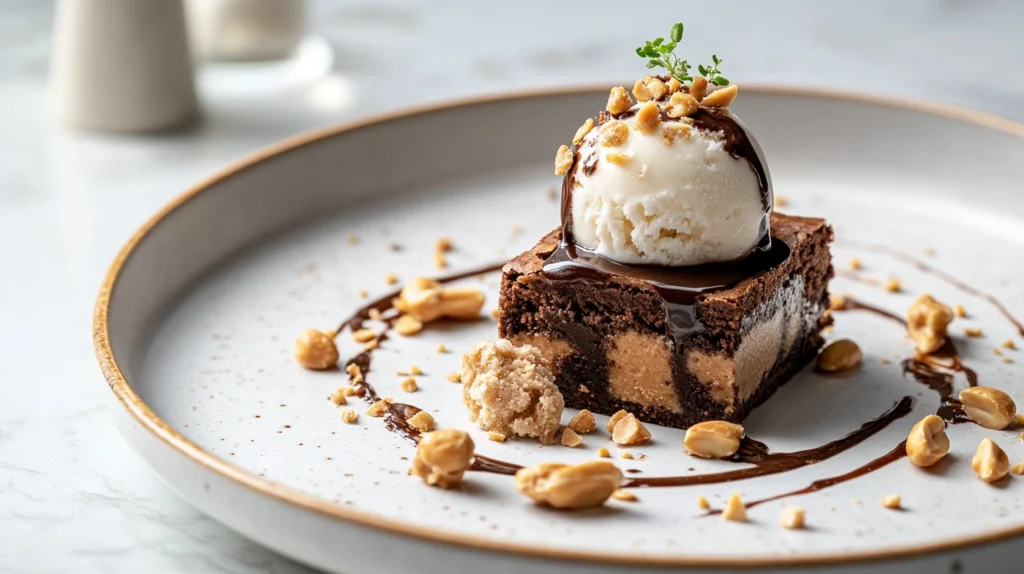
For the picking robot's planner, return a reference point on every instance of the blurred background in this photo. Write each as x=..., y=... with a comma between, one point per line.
x=106, y=114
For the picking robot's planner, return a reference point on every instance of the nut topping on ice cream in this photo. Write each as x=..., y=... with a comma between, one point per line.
x=674, y=179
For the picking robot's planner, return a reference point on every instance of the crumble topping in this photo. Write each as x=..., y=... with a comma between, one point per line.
x=509, y=389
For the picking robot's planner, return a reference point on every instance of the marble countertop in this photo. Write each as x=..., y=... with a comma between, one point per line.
x=73, y=497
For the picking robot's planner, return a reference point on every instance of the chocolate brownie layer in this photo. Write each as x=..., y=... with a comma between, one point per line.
x=613, y=347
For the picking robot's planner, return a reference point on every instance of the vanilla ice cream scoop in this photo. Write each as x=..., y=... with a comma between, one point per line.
x=656, y=185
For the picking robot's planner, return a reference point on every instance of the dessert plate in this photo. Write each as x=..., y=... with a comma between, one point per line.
x=195, y=322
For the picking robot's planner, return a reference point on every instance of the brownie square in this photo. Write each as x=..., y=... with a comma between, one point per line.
x=612, y=346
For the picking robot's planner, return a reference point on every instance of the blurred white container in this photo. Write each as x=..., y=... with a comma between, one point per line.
x=245, y=30
x=122, y=65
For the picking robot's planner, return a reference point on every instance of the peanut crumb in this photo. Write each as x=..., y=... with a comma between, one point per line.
x=440, y=260
x=409, y=385
x=316, y=350
x=353, y=391
x=1008, y=360
x=619, y=159
x=583, y=422
x=624, y=496
x=648, y=118
x=1019, y=419
x=454, y=377
x=699, y=87
x=444, y=244
x=722, y=97
x=353, y=371
x=626, y=455
x=563, y=160
x=960, y=311
x=781, y=201
x=855, y=264
x=673, y=85
x=792, y=518
x=605, y=453
x=422, y=421
x=364, y=335
x=672, y=131
x=391, y=278
x=379, y=408
x=363, y=293
x=640, y=91
x=338, y=398
x=1017, y=469
x=892, y=502
x=375, y=314
x=353, y=239
x=628, y=430
x=349, y=416
x=657, y=88
x=703, y=503
x=681, y=105
x=407, y=325
x=927, y=323
x=583, y=131
x=734, y=510
x=1009, y=344
x=496, y=436
x=997, y=352
x=618, y=100
x=570, y=438
x=885, y=361
x=613, y=134
x=441, y=348
x=372, y=345
x=973, y=332
x=893, y=286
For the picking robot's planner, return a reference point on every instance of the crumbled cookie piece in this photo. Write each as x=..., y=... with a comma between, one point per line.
x=509, y=389
x=648, y=118
x=990, y=461
x=927, y=442
x=734, y=510
x=618, y=101
x=713, y=439
x=892, y=502
x=838, y=356
x=672, y=131
x=721, y=97
x=570, y=438
x=699, y=87
x=624, y=496
x=629, y=430
x=442, y=457
x=583, y=422
x=583, y=131
x=496, y=436
x=349, y=416
x=604, y=453
x=613, y=134
x=563, y=160
x=422, y=421
x=793, y=518
x=316, y=350
x=927, y=323
x=681, y=105
x=585, y=485
x=409, y=385
x=973, y=332
x=989, y=407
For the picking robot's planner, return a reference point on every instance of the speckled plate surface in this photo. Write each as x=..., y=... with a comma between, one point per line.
x=195, y=323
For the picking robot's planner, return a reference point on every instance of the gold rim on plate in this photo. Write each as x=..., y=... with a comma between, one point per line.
x=154, y=424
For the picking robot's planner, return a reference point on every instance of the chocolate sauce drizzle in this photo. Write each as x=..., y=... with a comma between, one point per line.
x=937, y=372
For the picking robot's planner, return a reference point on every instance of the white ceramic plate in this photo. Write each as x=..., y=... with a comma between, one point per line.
x=195, y=323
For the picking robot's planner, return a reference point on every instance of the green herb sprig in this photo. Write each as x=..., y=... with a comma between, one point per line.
x=660, y=54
